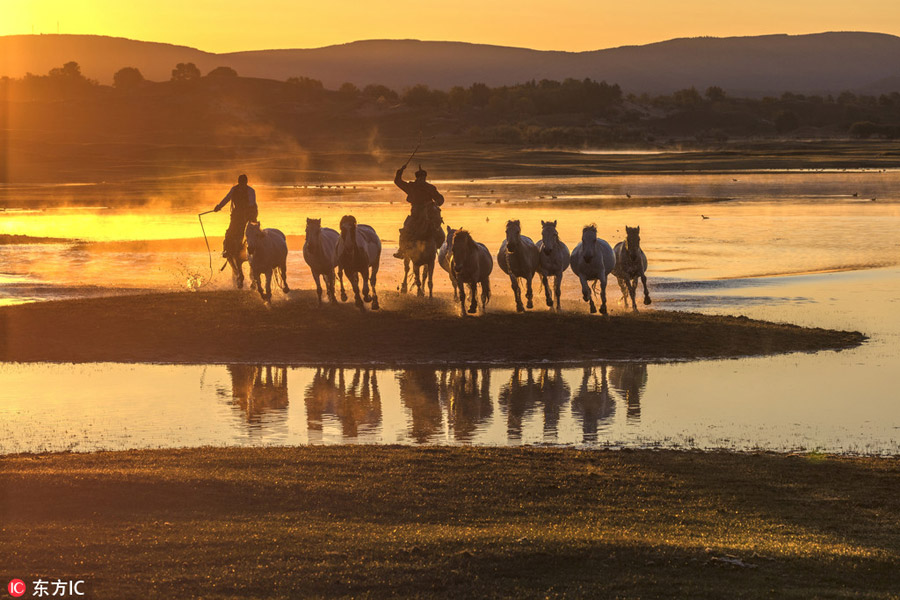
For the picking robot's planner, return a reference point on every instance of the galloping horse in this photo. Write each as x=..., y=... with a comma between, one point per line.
x=631, y=263
x=320, y=253
x=421, y=253
x=553, y=259
x=267, y=249
x=444, y=259
x=593, y=259
x=518, y=257
x=359, y=253
x=472, y=264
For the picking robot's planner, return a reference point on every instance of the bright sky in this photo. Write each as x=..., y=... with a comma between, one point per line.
x=231, y=25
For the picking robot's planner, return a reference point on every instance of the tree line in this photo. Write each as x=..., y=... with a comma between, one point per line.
x=572, y=112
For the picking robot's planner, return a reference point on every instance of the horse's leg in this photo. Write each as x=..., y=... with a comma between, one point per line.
x=374, y=278
x=341, y=280
x=283, y=269
x=316, y=277
x=462, y=298
x=624, y=289
x=632, y=288
x=403, y=288
x=529, y=292
x=329, y=283
x=485, y=293
x=268, y=296
x=644, y=282
x=473, y=291
x=514, y=282
x=430, y=267
x=455, y=285
x=420, y=279
x=365, y=284
x=586, y=293
x=548, y=293
x=237, y=273
x=557, y=286
x=354, y=283
x=603, y=277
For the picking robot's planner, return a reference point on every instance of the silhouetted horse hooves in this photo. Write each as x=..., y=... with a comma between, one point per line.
x=646, y=300
x=375, y=305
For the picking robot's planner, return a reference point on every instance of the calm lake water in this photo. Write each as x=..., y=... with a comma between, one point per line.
x=791, y=247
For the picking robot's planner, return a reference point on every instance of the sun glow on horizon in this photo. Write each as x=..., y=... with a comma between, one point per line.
x=571, y=25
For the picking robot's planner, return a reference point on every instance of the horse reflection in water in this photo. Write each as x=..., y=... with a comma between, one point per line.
x=592, y=403
x=466, y=394
x=356, y=406
x=259, y=391
x=463, y=393
x=525, y=392
x=419, y=394
x=629, y=380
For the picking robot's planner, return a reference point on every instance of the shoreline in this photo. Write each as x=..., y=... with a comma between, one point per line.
x=236, y=327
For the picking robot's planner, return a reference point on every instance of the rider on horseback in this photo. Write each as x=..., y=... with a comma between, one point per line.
x=243, y=210
x=424, y=220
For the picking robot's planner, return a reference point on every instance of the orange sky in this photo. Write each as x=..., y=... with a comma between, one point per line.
x=230, y=25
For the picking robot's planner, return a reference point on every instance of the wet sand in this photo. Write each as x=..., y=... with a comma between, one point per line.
x=217, y=327
x=454, y=522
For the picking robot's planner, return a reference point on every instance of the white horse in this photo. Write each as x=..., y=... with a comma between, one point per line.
x=444, y=258
x=320, y=253
x=359, y=253
x=518, y=258
x=592, y=260
x=553, y=259
x=267, y=250
x=631, y=263
x=472, y=264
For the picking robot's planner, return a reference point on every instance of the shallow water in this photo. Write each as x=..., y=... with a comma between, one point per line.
x=789, y=247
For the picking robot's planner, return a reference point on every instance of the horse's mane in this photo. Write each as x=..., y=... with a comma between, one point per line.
x=461, y=234
x=592, y=226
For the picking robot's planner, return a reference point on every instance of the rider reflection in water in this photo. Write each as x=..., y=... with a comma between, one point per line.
x=424, y=219
x=243, y=210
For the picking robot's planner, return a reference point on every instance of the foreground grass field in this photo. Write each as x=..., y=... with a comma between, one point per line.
x=236, y=326
x=454, y=522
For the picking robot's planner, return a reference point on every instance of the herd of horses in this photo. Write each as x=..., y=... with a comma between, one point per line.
x=355, y=252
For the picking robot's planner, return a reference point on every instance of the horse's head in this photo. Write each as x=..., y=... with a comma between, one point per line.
x=513, y=236
x=549, y=236
x=313, y=229
x=588, y=241
x=348, y=228
x=633, y=240
x=450, y=233
x=461, y=247
x=252, y=233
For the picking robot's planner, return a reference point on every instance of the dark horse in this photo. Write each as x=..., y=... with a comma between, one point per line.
x=421, y=254
x=359, y=254
x=631, y=263
x=236, y=247
x=472, y=264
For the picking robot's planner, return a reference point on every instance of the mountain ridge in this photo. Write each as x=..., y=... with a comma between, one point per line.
x=825, y=62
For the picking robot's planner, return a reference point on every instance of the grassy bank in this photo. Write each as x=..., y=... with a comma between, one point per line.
x=454, y=522
x=235, y=326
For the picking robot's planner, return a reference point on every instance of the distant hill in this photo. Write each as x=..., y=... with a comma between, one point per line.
x=750, y=66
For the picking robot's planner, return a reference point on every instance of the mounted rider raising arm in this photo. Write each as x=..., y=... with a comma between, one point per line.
x=424, y=219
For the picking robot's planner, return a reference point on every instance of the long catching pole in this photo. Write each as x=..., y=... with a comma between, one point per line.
x=208, y=251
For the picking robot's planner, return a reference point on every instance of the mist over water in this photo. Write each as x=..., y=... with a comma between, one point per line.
x=791, y=247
